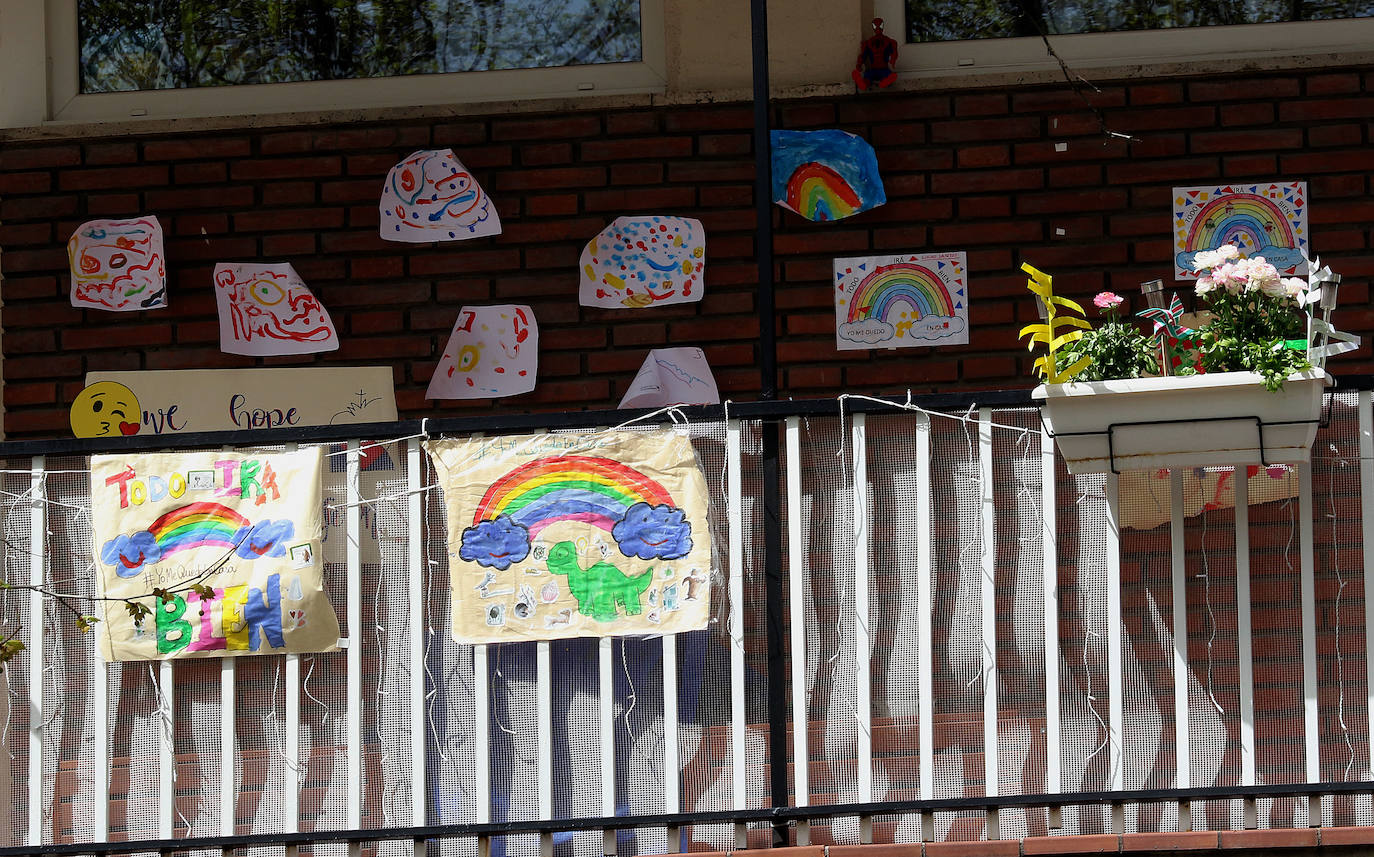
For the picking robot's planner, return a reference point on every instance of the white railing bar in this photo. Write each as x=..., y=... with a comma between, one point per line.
x=1115, y=685
x=863, y=653
x=1183, y=765
x=543, y=669
x=291, y=752
x=481, y=743
x=925, y=638
x=38, y=527
x=1365, y=403
x=606, y=687
x=100, y=738
x=415, y=561
x=166, y=726
x=796, y=581
x=1312, y=753
x=354, y=652
x=228, y=746
x=1049, y=547
x=1245, y=644
x=988, y=595
x=672, y=761
x=734, y=502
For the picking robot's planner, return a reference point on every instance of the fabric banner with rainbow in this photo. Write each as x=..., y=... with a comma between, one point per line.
x=901, y=301
x=217, y=552
x=1267, y=219
x=553, y=536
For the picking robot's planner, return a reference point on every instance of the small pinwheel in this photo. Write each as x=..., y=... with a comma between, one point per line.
x=1323, y=339
x=1174, y=338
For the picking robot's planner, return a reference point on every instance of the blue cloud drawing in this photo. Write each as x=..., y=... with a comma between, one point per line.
x=1282, y=258
x=653, y=531
x=495, y=544
x=128, y=554
x=265, y=538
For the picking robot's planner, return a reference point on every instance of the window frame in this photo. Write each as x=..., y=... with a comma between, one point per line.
x=64, y=103
x=1143, y=53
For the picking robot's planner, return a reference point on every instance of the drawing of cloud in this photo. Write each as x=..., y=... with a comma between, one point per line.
x=653, y=531
x=937, y=327
x=431, y=196
x=495, y=544
x=128, y=554
x=265, y=538
x=869, y=330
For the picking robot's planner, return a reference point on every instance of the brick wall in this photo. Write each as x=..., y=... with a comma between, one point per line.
x=969, y=170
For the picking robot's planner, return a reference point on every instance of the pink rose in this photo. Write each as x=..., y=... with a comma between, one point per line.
x=1107, y=300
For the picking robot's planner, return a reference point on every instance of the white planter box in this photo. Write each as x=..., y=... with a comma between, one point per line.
x=1147, y=423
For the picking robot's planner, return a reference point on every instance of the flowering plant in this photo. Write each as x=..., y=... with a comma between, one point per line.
x=1114, y=350
x=1255, y=314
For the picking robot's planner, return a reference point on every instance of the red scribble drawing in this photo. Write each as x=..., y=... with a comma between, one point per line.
x=268, y=309
x=118, y=265
x=431, y=196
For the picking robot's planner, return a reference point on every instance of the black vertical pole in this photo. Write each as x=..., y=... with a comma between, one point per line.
x=768, y=389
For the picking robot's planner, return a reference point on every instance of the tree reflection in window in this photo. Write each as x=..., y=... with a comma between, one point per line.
x=174, y=44
x=950, y=20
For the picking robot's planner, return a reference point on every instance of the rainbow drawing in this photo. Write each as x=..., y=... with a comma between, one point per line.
x=825, y=175
x=1268, y=220
x=901, y=301
x=197, y=525
x=817, y=192
x=592, y=490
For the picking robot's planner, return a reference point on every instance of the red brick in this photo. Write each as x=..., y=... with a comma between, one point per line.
x=966, y=181
x=962, y=234
x=997, y=848
x=980, y=104
x=1009, y=128
x=1335, y=135
x=196, y=148
x=42, y=393
x=1242, y=89
x=1347, y=836
x=641, y=147
x=581, y=391
x=234, y=196
x=200, y=173
x=1242, y=141
x=1247, y=114
x=1161, y=171
x=39, y=157
x=983, y=156
x=115, y=177
x=44, y=259
x=724, y=144
x=447, y=263
x=711, y=171
x=1272, y=838
x=726, y=195
x=201, y=224
x=642, y=199
x=551, y=205
x=374, y=268
x=25, y=288
x=902, y=134
x=1092, y=844
x=390, y=321
x=288, y=193
x=280, y=221
x=289, y=245
x=1195, y=840
x=643, y=122
x=25, y=183
x=463, y=134
x=46, y=422
x=289, y=142
x=1071, y=201
x=562, y=229
x=287, y=168
x=1155, y=93
x=808, y=115
x=1324, y=109
x=709, y=119
x=20, y=234
x=893, y=108
x=563, y=128
x=550, y=179
x=640, y=173
x=546, y=154
x=45, y=366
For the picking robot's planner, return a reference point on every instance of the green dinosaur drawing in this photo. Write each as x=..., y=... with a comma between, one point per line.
x=601, y=588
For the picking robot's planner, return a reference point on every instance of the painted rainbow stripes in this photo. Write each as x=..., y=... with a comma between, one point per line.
x=197, y=525
x=818, y=192
x=569, y=488
x=1246, y=220
x=878, y=294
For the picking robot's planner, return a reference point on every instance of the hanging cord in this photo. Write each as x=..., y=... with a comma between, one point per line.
x=1340, y=591
x=1206, y=577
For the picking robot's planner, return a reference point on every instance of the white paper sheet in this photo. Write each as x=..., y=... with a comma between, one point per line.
x=431, y=196
x=672, y=376
x=644, y=261
x=118, y=265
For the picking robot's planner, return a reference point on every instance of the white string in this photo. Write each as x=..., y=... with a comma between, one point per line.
x=1206, y=576
x=1340, y=591
x=966, y=417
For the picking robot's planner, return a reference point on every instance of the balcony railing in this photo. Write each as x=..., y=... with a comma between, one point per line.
x=924, y=629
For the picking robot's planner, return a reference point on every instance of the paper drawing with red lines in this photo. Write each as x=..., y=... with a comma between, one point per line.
x=268, y=309
x=118, y=265
x=492, y=352
x=431, y=196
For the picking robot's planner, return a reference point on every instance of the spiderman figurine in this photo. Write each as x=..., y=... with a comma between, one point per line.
x=877, y=55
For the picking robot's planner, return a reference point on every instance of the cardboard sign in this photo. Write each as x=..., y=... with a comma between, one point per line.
x=191, y=400
x=244, y=528
x=553, y=536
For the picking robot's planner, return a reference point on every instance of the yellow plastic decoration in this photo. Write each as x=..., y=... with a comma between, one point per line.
x=1047, y=332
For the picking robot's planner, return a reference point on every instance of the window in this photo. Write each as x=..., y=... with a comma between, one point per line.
x=176, y=44
x=1137, y=37
x=112, y=60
